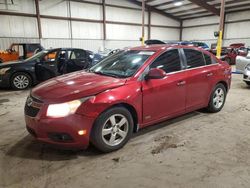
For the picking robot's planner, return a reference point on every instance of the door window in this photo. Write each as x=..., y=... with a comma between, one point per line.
x=194, y=58
x=51, y=56
x=208, y=59
x=77, y=54
x=169, y=61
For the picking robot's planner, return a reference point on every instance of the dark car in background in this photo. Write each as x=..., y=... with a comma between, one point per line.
x=43, y=66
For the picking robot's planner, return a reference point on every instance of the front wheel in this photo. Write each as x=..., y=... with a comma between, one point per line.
x=20, y=81
x=112, y=129
x=217, y=98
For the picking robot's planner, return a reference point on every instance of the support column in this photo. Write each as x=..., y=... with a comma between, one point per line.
x=104, y=19
x=149, y=24
x=221, y=28
x=181, y=30
x=143, y=22
x=38, y=19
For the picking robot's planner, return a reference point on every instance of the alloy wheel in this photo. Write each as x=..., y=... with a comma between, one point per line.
x=21, y=81
x=218, y=98
x=115, y=129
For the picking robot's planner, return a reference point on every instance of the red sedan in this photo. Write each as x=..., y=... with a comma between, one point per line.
x=127, y=91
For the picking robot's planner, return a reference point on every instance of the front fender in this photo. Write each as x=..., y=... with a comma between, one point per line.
x=129, y=94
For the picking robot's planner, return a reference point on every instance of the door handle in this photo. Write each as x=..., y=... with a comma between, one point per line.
x=210, y=74
x=181, y=83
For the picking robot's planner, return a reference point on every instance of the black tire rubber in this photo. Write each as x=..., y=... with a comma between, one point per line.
x=211, y=108
x=248, y=83
x=17, y=74
x=96, y=132
x=1, y=61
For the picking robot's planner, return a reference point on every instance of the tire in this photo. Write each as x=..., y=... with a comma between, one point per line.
x=217, y=98
x=248, y=83
x=114, y=137
x=20, y=81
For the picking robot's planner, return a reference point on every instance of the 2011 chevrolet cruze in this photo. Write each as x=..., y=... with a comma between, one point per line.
x=127, y=91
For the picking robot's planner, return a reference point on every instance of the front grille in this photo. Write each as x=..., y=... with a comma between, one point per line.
x=32, y=106
x=60, y=137
x=31, y=111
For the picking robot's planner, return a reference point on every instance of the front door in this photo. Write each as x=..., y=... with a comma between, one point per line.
x=165, y=97
x=47, y=67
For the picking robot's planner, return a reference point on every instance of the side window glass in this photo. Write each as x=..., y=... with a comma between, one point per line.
x=207, y=59
x=78, y=54
x=169, y=62
x=50, y=56
x=194, y=58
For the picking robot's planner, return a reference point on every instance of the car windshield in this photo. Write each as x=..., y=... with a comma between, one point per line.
x=122, y=64
x=37, y=56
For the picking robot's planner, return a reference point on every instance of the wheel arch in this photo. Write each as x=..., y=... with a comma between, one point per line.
x=224, y=83
x=22, y=71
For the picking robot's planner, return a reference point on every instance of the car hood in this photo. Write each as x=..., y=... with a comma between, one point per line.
x=10, y=64
x=74, y=86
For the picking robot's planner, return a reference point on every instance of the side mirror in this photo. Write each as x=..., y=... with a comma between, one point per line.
x=155, y=74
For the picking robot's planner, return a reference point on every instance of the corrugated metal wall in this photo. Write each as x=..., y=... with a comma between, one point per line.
x=57, y=33
x=234, y=32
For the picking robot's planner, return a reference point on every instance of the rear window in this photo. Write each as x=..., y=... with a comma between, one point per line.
x=194, y=58
x=208, y=59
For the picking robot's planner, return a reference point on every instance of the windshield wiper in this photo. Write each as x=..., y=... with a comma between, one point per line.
x=106, y=74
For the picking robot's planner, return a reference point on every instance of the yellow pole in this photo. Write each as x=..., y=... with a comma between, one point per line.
x=219, y=45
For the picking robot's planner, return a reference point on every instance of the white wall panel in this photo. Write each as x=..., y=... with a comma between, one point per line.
x=23, y=6
x=235, y=30
x=86, y=30
x=165, y=33
x=124, y=32
x=109, y=44
x=86, y=11
x=16, y=26
x=54, y=7
x=124, y=15
x=55, y=28
x=238, y=16
x=201, y=21
x=199, y=33
x=158, y=19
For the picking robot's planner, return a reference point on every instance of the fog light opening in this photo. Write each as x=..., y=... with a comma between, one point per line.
x=82, y=132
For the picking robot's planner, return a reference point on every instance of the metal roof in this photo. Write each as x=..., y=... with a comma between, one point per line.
x=195, y=8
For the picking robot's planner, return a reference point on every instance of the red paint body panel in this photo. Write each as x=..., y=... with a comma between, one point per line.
x=152, y=100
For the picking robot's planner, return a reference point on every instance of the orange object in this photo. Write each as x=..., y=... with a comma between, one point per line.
x=19, y=51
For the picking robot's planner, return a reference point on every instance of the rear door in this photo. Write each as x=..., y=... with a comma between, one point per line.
x=165, y=97
x=198, y=79
x=78, y=60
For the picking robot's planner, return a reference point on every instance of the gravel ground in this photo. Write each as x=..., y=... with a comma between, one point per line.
x=195, y=150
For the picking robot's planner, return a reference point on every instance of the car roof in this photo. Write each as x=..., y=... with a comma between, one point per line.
x=162, y=47
x=53, y=49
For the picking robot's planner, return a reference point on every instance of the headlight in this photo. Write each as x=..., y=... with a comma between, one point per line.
x=248, y=67
x=64, y=109
x=4, y=70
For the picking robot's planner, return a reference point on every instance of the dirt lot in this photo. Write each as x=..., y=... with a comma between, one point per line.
x=195, y=150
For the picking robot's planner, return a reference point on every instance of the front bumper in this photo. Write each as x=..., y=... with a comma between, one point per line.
x=62, y=132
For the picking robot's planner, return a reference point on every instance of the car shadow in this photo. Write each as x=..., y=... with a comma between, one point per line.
x=28, y=148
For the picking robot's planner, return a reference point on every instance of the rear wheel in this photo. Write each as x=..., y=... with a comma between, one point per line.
x=21, y=81
x=217, y=98
x=112, y=129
